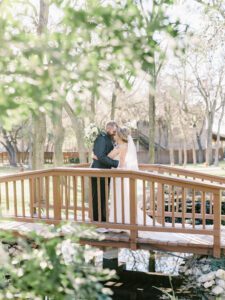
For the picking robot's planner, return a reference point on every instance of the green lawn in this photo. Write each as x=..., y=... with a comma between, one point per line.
x=220, y=170
x=213, y=170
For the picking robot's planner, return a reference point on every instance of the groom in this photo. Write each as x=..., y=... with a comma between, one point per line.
x=102, y=146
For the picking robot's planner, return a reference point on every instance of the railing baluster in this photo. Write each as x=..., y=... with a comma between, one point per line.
x=114, y=199
x=22, y=197
x=144, y=202
x=133, y=214
x=107, y=198
x=75, y=197
x=90, y=202
x=69, y=187
x=38, y=200
x=15, y=197
x=173, y=206
x=169, y=198
x=193, y=208
x=7, y=194
x=160, y=198
x=203, y=209
x=217, y=224
x=183, y=207
x=66, y=198
x=47, y=196
x=83, y=198
x=61, y=189
x=56, y=198
x=152, y=196
x=99, y=200
x=31, y=185
x=163, y=205
x=211, y=204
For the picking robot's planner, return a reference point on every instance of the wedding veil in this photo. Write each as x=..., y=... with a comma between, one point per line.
x=131, y=157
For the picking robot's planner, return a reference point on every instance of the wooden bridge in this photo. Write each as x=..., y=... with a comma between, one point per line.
x=184, y=206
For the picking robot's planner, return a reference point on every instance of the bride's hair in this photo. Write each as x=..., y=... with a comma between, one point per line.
x=123, y=133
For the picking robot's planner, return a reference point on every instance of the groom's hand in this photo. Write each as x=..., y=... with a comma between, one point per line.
x=94, y=157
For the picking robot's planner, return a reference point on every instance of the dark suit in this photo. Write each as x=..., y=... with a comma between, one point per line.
x=102, y=146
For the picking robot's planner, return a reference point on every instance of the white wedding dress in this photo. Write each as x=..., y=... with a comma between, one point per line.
x=131, y=163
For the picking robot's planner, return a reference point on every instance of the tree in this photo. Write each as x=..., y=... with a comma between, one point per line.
x=58, y=134
x=222, y=108
x=78, y=127
x=126, y=34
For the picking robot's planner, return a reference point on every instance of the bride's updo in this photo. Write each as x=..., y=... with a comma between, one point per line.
x=123, y=133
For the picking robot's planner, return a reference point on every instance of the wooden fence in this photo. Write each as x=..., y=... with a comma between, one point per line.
x=23, y=157
x=162, y=156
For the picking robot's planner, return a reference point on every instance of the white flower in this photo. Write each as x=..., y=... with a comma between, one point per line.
x=217, y=290
x=43, y=265
x=208, y=284
x=9, y=295
x=3, y=255
x=220, y=274
x=68, y=251
x=91, y=133
x=20, y=272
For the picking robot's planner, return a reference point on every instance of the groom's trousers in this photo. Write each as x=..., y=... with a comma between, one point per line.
x=103, y=199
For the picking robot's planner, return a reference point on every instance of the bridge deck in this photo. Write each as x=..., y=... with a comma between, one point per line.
x=162, y=241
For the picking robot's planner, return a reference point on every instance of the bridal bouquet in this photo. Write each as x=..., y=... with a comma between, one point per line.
x=91, y=133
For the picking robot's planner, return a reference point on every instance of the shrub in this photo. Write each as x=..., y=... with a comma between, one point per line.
x=51, y=266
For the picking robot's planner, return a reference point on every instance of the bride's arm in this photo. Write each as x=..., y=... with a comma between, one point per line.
x=114, y=153
x=111, y=154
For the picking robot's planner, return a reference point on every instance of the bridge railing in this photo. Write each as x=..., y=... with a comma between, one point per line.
x=192, y=175
x=148, y=201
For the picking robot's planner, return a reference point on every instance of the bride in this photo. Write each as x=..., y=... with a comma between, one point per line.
x=126, y=153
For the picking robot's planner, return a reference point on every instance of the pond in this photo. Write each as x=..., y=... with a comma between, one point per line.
x=137, y=283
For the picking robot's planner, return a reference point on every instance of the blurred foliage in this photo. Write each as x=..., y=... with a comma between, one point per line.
x=89, y=43
x=51, y=265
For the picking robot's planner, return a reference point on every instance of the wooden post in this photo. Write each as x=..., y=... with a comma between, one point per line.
x=151, y=266
x=56, y=197
x=133, y=213
x=110, y=259
x=217, y=223
x=160, y=205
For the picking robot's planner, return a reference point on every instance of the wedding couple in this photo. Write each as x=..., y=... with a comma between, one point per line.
x=114, y=148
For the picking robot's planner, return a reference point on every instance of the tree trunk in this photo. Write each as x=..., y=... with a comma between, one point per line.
x=171, y=156
x=216, y=161
x=38, y=142
x=113, y=104
x=78, y=127
x=10, y=148
x=39, y=121
x=170, y=137
x=185, y=154
x=151, y=128
x=209, y=159
x=194, y=155
x=58, y=138
x=116, y=89
x=93, y=108
x=180, y=156
x=200, y=149
x=43, y=16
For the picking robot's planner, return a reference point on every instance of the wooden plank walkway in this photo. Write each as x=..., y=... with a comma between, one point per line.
x=161, y=241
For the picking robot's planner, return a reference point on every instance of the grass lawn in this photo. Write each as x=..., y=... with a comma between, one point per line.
x=212, y=170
